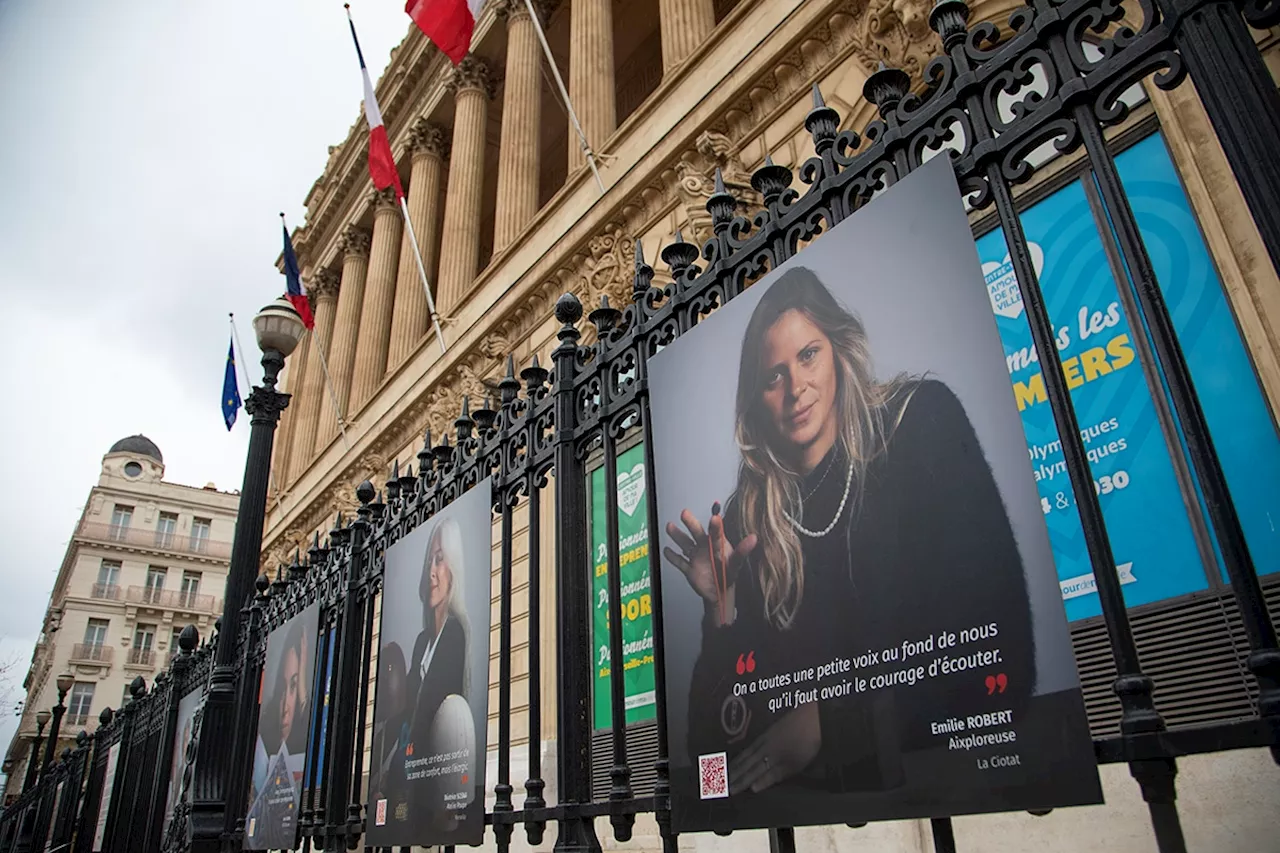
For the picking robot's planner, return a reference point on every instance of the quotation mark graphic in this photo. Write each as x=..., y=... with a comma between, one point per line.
x=748, y=664
x=997, y=683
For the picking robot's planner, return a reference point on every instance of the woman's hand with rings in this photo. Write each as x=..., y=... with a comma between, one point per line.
x=707, y=559
x=785, y=749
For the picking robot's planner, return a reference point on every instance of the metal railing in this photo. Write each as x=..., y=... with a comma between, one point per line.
x=172, y=599
x=91, y=653
x=155, y=539
x=546, y=422
x=141, y=657
x=108, y=591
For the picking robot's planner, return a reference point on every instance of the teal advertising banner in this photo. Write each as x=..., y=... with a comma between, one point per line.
x=1147, y=515
x=637, y=618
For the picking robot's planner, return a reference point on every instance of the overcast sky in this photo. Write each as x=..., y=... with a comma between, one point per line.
x=146, y=148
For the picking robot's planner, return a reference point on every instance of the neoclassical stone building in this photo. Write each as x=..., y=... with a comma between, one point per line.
x=509, y=217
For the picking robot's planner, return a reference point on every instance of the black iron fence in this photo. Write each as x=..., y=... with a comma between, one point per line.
x=993, y=98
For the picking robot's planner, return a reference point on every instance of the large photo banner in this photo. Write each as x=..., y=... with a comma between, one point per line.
x=430, y=715
x=280, y=751
x=862, y=617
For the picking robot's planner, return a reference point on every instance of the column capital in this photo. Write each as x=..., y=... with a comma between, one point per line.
x=472, y=74
x=355, y=241
x=324, y=285
x=515, y=10
x=384, y=200
x=427, y=137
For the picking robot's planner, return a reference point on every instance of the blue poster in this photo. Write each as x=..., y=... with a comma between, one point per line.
x=1146, y=512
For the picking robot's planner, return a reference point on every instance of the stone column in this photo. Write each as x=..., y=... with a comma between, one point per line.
x=460, y=242
x=521, y=121
x=379, y=294
x=591, y=83
x=346, y=326
x=685, y=24
x=410, y=317
x=312, y=396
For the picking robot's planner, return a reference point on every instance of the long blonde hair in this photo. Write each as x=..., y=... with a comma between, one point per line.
x=768, y=484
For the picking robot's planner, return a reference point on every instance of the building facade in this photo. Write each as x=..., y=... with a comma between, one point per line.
x=509, y=216
x=147, y=558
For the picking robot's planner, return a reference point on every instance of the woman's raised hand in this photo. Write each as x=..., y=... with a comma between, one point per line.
x=708, y=560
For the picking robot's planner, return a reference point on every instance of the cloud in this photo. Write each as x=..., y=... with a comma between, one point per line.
x=145, y=150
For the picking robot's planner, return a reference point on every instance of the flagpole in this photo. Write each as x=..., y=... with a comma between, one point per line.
x=248, y=383
x=422, y=274
x=564, y=94
x=324, y=366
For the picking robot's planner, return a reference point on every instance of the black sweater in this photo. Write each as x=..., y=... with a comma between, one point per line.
x=924, y=546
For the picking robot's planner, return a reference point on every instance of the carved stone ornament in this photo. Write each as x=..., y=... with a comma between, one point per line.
x=696, y=170
x=384, y=200
x=472, y=73
x=355, y=241
x=427, y=137
x=324, y=285
x=897, y=33
x=514, y=10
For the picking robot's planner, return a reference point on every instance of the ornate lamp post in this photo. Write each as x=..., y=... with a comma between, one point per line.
x=64, y=683
x=278, y=329
x=42, y=720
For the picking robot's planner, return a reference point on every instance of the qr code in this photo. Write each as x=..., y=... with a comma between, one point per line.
x=713, y=776
x=380, y=819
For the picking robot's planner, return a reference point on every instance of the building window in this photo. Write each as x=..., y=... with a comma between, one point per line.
x=79, y=703
x=144, y=640
x=108, y=579
x=200, y=534
x=94, y=647
x=121, y=518
x=155, y=584
x=96, y=632
x=174, y=648
x=132, y=469
x=190, y=588
x=166, y=529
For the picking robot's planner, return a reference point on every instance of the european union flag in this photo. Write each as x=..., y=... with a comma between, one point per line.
x=230, y=388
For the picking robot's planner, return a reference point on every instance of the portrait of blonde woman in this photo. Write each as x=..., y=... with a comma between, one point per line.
x=855, y=493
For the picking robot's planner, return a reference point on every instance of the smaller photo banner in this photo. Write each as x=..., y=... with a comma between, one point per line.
x=280, y=752
x=187, y=708
x=104, y=804
x=426, y=774
x=637, y=607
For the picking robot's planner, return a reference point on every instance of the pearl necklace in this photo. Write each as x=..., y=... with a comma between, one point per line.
x=818, y=534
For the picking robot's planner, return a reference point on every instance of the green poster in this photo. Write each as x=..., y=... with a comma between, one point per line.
x=637, y=619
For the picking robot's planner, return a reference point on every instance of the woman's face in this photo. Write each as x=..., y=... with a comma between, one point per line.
x=289, y=699
x=441, y=575
x=799, y=381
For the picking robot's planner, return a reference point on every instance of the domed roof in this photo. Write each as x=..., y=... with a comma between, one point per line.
x=138, y=444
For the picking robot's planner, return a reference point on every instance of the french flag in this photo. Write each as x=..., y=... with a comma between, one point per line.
x=293, y=281
x=382, y=165
x=448, y=23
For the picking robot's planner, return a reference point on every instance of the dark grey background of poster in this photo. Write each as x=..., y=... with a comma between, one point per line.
x=907, y=266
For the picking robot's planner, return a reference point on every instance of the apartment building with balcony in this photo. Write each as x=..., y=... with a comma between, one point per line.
x=147, y=558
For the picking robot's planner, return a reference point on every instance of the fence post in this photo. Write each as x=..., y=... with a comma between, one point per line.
x=573, y=616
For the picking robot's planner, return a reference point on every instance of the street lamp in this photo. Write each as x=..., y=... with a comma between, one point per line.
x=64, y=683
x=278, y=329
x=42, y=720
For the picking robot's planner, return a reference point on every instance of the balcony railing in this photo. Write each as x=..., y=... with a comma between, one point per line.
x=109, y=591
x=91, y=653
x=141, y=657
x=76, y=720
x=172, y=599
x=156, y=539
